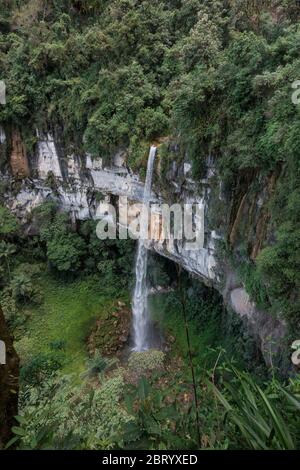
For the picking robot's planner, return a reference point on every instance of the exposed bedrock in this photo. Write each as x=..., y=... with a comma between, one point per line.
x=237, y=215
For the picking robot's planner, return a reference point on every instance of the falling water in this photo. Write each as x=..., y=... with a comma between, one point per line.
x=140, y=311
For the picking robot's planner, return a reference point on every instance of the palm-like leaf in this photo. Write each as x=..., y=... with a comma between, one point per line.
x=255, y=413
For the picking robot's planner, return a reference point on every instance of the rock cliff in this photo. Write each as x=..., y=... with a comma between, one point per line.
x=236, y=217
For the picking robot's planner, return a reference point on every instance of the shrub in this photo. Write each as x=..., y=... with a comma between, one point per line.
x=261, y=419
x=39, y=368
x=60, y=414
x=58, y=345
x=65, y=252
x=98, y=364
x=8, y=223
x=146, y=361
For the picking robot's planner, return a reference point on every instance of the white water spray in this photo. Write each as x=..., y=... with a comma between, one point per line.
x=141, y=320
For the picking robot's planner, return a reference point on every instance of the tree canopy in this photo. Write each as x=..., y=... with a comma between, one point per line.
x=215, y=75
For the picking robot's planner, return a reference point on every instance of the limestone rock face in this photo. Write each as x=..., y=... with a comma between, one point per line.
x=9, y=376
x=268, y=330
x=235, y=215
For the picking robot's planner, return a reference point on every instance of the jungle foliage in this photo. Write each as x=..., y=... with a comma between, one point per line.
x=214, y=75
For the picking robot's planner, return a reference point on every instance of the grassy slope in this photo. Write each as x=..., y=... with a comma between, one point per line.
x=69, y=309
x=67, y=313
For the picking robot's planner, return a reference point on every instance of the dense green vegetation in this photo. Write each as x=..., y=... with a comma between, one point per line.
x=75, y=398
x=63, y=320
x=214, y=75
x=215, y=78
x=147, y=402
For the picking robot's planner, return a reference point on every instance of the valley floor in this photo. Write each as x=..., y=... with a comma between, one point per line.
x=76, y=397
x=66, y=315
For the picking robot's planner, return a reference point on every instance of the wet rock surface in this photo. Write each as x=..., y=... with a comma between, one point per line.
x=110, y=334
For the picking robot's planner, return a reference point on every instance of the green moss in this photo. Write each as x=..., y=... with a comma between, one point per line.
x=67, y=314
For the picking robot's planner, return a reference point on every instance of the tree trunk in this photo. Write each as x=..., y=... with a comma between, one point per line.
x=9, y=384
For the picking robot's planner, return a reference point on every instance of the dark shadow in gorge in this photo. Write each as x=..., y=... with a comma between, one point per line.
x=217, y=326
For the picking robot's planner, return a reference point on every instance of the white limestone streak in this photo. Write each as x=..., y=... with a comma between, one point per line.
x=48, y=161
x=73, y=197
x=2, y=135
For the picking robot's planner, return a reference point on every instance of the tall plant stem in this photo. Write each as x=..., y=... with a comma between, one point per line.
x=8, y=269
x=183, y=306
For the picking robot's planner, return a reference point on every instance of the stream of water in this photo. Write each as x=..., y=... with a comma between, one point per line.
x=141, y=316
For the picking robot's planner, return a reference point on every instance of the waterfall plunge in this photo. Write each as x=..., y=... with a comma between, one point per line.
x=141, y=320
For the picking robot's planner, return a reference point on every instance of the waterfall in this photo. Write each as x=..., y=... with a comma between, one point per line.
x=140, y=311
